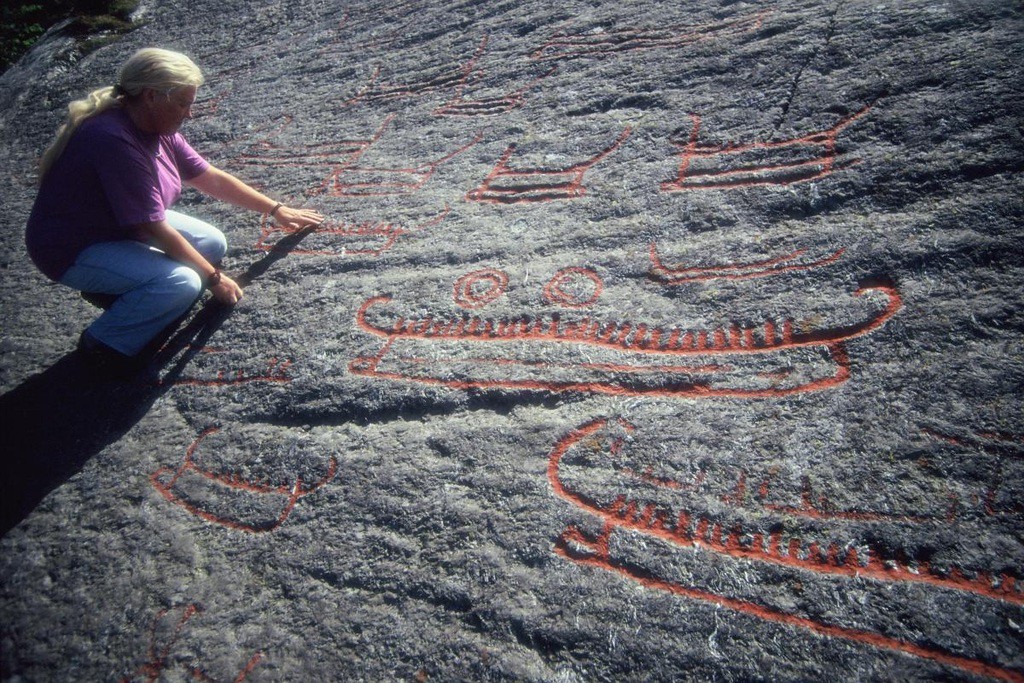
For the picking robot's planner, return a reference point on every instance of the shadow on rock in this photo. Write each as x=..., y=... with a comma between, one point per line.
x=57, y=420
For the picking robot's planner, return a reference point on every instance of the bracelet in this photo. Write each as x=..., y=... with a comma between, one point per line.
x=274, y=210
x=214, y=279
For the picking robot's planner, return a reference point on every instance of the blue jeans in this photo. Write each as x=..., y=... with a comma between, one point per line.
x=152, y=290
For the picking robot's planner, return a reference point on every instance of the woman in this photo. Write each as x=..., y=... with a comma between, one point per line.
x=102, y=223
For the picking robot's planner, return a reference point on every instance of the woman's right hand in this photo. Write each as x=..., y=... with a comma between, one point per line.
x=296, y=218
x=226, y=291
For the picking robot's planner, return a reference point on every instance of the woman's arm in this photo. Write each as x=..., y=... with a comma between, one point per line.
x=171, y=242
x=226, y=187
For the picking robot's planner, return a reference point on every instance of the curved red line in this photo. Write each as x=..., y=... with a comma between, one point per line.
x=675, y=275
x=547, y=332
x=873, y=639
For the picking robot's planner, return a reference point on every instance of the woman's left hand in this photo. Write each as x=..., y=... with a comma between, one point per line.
x=297, y=218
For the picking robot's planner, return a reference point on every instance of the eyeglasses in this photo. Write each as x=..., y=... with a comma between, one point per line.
x=180, y=102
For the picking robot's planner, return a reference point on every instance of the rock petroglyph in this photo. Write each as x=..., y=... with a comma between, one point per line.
x=640, y=341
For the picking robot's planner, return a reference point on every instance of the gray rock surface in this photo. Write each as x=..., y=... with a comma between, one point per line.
x=645, y=341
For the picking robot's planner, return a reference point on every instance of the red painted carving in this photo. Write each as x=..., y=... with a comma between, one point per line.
x=990, y=442
x=227, y=488
x=349, y=180
x=674, y=275
x=373, y=92
x=274, y=370
x=394, y=14
x=460, y=105
x=613, y=357
x=1003, y=447
x=344, y=239
x=480, y=287
x=504, y=185
x=341, y=160
x=220, y=83
x=707, y=167
x=453, y=78
x=648, y=506
x=565, y=45
x=209, y=105
x=158, y=662
x=338, y=34
x=269, y=152
x=819, y=507
x=574, y=288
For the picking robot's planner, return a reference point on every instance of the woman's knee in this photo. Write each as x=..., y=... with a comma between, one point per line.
x=214, y=246
x=208, y=240
x=185, y=285
x=211, y=243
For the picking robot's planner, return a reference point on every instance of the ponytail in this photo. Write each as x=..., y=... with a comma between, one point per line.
x=152, y=68
x=96, y=102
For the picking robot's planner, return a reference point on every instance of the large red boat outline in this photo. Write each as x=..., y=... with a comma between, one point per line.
x=687, y=526
x=553, y=353
x=618, y=511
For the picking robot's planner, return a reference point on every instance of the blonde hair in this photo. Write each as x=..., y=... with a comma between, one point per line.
x=149, y=68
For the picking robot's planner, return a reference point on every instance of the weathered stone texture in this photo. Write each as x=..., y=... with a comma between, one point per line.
x=644, y=341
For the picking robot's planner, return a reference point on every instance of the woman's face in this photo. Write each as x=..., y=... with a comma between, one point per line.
x=167, y=111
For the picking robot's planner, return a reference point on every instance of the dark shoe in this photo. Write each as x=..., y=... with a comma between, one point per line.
x=100, y=299
x=106, y=361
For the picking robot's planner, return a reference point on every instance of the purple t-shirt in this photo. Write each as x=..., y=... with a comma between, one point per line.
x=110, y=178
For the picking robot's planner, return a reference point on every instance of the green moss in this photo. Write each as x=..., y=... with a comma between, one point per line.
x=94, y=23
